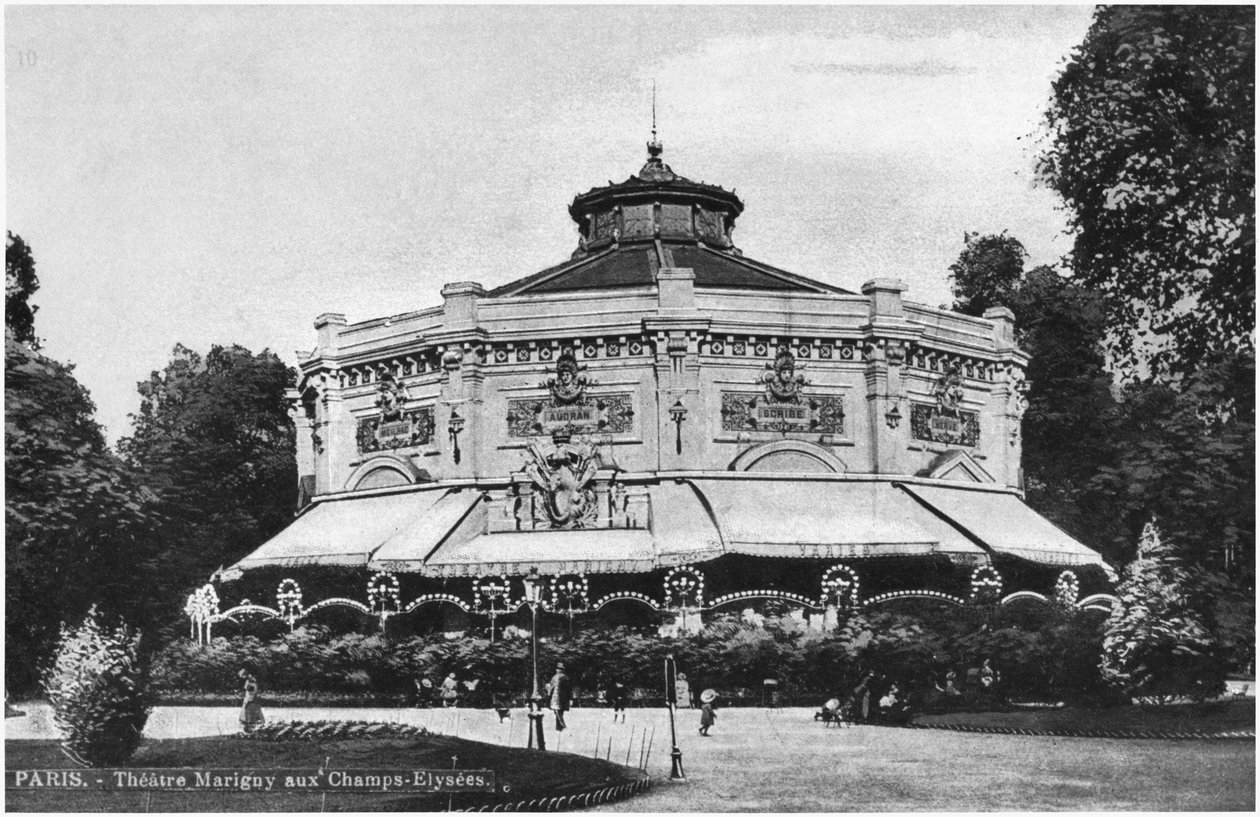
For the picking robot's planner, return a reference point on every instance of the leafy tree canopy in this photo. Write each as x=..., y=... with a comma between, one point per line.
x=20, y=283
x=1188, y=455
x=1069, y=425
x=1152, y=147
x=214, y=437
x=78, y=522
x=987, y=271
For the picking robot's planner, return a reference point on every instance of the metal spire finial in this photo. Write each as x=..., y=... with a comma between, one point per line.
x=654, y=147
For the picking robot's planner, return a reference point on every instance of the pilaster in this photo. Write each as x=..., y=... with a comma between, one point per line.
x=888, y=338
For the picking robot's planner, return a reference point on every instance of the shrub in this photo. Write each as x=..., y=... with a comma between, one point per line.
x=1157, y=645
x=99, y=692
x=1050, y=653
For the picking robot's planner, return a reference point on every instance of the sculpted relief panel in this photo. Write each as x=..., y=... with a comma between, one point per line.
x=569, y=409
x=782, y=406
x=394, y=425
x=944, y=421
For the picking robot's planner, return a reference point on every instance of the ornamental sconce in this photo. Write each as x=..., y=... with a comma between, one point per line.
x=492, y=596
x=893, y=417
x=382, y=593
x=986, y=585
x=289, y=601
x=1067, y=589
x=569, y=596
x=454, y=428
x=678, y=413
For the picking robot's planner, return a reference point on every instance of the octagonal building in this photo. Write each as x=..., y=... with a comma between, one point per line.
x=661, y=422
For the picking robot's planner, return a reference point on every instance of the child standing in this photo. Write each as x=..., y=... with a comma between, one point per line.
x=707, y=715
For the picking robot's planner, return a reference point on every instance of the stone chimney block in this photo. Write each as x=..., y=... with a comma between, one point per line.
x=885, y=295
x=1003, y=326
x=676, y=287
x=460, y=303
x=328, y=326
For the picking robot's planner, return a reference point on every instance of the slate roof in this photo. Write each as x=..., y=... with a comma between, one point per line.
x=635, y=265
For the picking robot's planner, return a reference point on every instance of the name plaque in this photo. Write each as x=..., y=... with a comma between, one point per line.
x=955, y=427
x=411, y=428
x=604, y=413
x=810, y=414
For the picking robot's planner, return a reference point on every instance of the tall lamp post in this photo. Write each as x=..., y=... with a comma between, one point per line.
x=533, y=597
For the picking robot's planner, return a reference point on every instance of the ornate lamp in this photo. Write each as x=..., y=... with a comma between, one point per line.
x=454, y=427
x=678, y=413
x=533, y=597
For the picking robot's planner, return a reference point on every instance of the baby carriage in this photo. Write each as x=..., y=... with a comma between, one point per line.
x=831, y=714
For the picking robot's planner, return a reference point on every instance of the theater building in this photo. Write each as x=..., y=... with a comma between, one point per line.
x=661, y=423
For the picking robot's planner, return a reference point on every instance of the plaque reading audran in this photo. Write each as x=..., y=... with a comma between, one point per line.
x=606, y=413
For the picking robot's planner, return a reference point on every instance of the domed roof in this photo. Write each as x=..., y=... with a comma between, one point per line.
x=656, y=203
x=657, y=218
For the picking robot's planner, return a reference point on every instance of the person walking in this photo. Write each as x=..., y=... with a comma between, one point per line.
x=617, y=699
x=251, y=707
x=560, y=694
x=707, y=715
x=988, y=675
x=450, y=691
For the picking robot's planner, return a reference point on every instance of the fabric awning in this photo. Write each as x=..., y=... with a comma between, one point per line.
x=551, y=552
x=1004, y=523
x=341, y=532
x=456, y=516
x=828, y=520
x=681, y=532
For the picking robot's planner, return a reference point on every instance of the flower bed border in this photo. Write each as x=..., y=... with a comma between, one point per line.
x=595, y=797
x=1240, y=734
x=345, y=730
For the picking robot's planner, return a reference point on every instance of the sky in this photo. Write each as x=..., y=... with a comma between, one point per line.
x=204, y=175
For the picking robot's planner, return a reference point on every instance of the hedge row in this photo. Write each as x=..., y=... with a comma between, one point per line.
x=1050, y=655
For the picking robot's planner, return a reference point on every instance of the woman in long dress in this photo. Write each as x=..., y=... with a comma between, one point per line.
x=682, y=689
x=251, y=708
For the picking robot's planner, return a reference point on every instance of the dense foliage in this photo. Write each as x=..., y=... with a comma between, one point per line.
x=1071, y=421
x=20, y=283
x=78, y=523
x=1186, y=454
x=1157, y=645
x=1044, y=654
x=214, y=438
x=1152, y=147
x=98, y=688
x=987, y=271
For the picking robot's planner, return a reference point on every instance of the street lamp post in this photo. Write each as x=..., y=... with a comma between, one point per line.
x=533, y=597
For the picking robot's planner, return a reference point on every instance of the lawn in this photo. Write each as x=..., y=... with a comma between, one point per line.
x=528, y=774
x=783, y=762
x=1209, y=718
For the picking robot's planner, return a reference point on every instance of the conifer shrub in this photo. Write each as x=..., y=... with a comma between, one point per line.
x=98, y=688
x=1157, y=645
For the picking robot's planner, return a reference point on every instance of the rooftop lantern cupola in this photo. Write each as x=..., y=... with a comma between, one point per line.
x=656, y=204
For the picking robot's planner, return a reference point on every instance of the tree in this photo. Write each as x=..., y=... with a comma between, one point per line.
x=1156, y=644
x=1070, y=423
x=214, y=438
x=78, y=522
x=20, y=283
x=1187, y=454
x=986, y=272
x=1151, y=146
